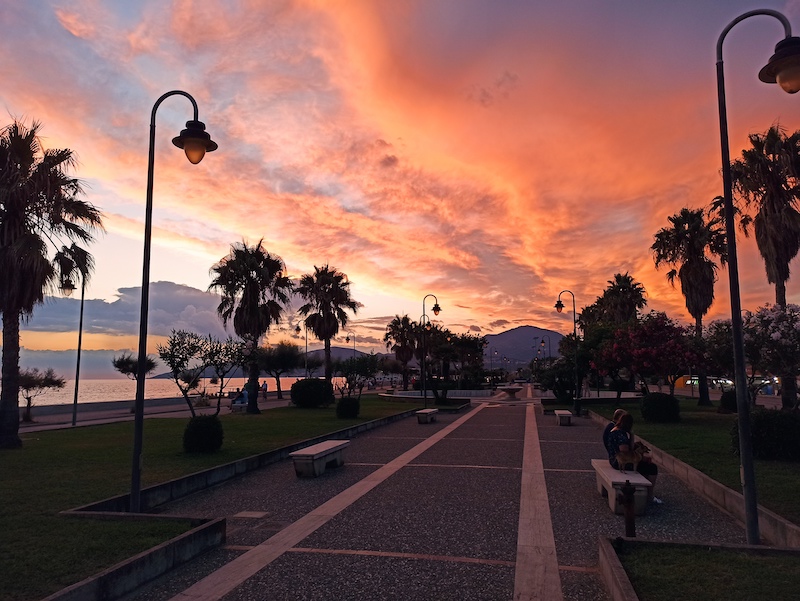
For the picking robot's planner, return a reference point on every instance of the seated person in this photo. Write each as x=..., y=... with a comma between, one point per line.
x=620, y=438
x=617, y=414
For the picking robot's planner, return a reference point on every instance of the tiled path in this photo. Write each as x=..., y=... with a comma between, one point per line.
x=495, y=504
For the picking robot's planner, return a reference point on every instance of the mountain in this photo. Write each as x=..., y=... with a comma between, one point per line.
x=520, y=346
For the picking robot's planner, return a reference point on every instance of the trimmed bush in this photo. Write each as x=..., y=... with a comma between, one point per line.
x=203, y=434
x=348, y=407
x=312, y=392
x=660, y=407
x=727, y=402
x=775, y=435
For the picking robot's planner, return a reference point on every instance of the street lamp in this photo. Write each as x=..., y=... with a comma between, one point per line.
x=783, y=68
x=436, y=310
x=67, y=288
x=347, y=339
x=195, y=142
x=548, y=347
x=576, y=406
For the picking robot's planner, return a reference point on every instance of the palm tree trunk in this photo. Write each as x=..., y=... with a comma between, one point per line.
x=405, y=376
x=788, y=381
x=702, y=376
x=9, y=399
x=277, y=387
x=328, y=362
x=252, y=388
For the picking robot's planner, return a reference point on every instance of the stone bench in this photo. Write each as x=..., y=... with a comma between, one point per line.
x=312, y=461
x=426, y=416
x=563, y=417
x=610, y=482
x=238, y=407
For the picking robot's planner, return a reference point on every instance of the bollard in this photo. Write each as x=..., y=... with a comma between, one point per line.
x=626, y=499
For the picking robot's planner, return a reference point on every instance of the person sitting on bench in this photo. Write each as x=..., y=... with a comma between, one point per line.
x=620, y=439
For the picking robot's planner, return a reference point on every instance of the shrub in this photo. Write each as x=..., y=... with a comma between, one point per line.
x=775, y=435
x=348, y=407
x=312, y=392
x=203, y=434
x=727, y=402
x=660, y=407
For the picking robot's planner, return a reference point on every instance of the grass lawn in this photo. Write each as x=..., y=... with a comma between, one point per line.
x=686, y=573
x=42, y=552
x=702, y=439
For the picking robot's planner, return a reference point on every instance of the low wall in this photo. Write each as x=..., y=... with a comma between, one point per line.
x=451, y=394
x=773, y=528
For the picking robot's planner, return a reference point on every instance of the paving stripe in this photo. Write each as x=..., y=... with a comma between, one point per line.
x=228, y=577
x=536, y=576
x=451, y=558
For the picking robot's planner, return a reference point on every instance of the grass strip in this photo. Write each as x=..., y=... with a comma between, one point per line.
x=42, y=552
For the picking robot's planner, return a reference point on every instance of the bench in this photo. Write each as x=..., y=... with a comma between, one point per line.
x=610, y=482
x=238, y=407
x=312, y=461
x=563, y=417
x=426, y=416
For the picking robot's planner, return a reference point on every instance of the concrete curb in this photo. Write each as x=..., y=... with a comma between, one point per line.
x=613, y=574
x=774, y=528
x=128, y=575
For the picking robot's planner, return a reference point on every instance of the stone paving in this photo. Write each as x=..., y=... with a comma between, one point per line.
x=495, y=503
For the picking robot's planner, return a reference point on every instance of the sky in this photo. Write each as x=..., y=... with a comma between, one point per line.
x=489, y=152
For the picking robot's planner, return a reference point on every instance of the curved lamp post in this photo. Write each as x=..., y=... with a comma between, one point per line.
x=576, y=406
x=347, y=339
x=549, y=355
x=305, y=357
x=195, y=142
x=436, y=310
x=67, y=288
x=783, y=68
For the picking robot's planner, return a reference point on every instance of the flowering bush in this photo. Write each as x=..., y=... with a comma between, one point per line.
x=773, y=335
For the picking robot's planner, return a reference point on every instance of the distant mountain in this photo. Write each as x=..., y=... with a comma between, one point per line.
x=520, y=346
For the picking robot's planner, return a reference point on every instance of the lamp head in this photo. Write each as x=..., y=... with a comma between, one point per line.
x=559, y=306
x=428, y=326
x=67, y=287
x=783, y=67
x=347, y=339
x=195, y=141
x=297, y=329
x=436, y=309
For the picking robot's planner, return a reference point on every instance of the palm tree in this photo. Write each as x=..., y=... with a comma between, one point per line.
x=690, y=243
x=623, y=298
x=400, y=338
x=327, y=296
x=255, y=293
x=39, y=208
x=766, y=178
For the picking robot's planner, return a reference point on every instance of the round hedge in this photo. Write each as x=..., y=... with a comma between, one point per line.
x=312, y=392
x=348, y=408
x=727, y=402
x=660, y=407
x=203, y=434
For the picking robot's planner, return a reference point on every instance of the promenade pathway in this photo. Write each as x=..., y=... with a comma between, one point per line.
x=497, y=503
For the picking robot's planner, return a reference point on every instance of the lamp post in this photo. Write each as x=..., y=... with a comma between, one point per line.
x=195, y=142
x=548, y=347
x=783, y=68
x=347, y=339
x=67, y=288
x=436, y=310
x=576, y=406
x=305, y=357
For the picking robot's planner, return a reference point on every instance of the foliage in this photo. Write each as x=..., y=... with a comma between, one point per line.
x=356, y=372
x=255, y=291
x=203, y=434
x=727, y=401
x=128, y=365
x=222, y=357
x=42, y=223
x=312, y=392
x=279, y=359
x=183, y=354
x=661, y=408
x=327, y=296
x=773, y=335
x=400, y=338
x=348, y=407
x=33, y=383
x=620, y=302
x=775, y=434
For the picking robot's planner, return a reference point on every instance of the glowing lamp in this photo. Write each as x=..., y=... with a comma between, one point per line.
x=783, y=67
x=195, y=141
x=559, y=306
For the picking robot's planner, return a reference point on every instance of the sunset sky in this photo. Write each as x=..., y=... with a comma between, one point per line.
x=490, y=152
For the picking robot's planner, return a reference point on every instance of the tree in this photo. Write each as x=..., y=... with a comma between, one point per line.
x=766, y=178
x=279, y=359
x=327, y=296
x=33, y=383
x=255, y=292
x=223, y=357
x=183, y=354
x=718, y=347
x=773, y=335
x=400, y=338
x=40, y=209
x=688, y=246
x=128, y=365
x=624, y=298
x=356, y=371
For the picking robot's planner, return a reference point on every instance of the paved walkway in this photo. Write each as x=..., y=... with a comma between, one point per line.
x=497, y=503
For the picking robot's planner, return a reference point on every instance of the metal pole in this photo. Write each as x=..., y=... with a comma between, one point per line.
x=78, y=363
x=747, y=469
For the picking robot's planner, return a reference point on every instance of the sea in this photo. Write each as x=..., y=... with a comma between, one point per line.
x=95, y=391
